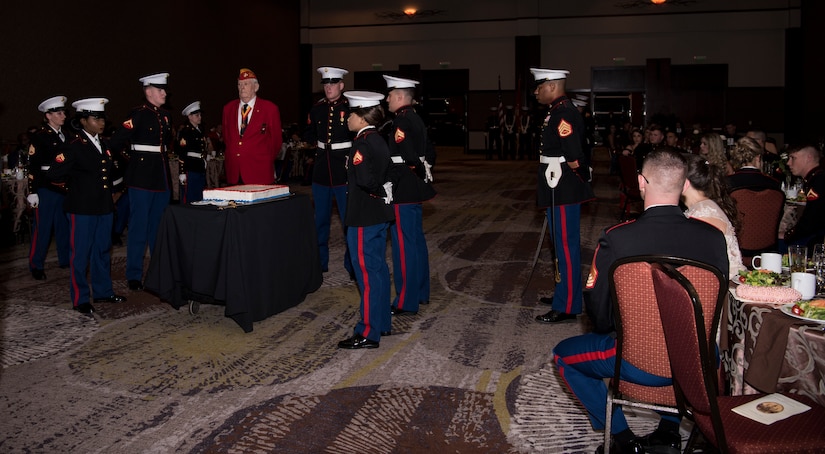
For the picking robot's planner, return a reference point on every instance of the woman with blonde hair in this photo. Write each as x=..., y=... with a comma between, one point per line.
x=712, y=148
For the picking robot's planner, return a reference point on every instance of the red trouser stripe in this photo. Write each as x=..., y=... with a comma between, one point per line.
x=566, y=251
x=34, y=236
x=365, y=277
x=75, y=288
x=402, y=297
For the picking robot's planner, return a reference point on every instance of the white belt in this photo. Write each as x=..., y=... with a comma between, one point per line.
x=192, y=154
x=334, y=146
x=397, y=160
x=45, y=167
x=548, y=159
x=149, y=148
x=117, y=182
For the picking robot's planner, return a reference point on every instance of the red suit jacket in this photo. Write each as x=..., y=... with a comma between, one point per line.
x=252, y=157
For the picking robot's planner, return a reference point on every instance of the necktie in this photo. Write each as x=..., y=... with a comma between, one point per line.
x=244, y=117
x=62, y=137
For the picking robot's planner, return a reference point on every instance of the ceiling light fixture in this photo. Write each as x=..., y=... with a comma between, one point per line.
x=629, y=4
x=408, y=13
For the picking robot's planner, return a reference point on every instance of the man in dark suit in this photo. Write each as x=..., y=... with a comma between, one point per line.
x=584, y=361
x=252, y=133
x=746, y=157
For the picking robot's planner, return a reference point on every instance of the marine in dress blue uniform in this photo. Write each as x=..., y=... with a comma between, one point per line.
x=368, y=217
x=191, y=148
x=46, y=197
x=327, y=131
x=562, y=188
x=584, y=361
x=87, y=165
x=411, y=177
x=144, y=138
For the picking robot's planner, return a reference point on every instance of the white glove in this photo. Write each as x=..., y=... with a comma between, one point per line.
x=33, y=199
x=553, y=173
x=182, y=178
x=428, y=174
x=388, y=190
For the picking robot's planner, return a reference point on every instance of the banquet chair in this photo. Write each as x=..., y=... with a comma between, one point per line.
x=639, y=336
x=629, y=184
x=693, y=361
x=760, y=213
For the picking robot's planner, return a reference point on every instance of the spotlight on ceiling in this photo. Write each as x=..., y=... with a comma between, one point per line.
x=408, y=13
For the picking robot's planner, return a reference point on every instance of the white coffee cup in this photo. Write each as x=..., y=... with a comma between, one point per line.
x=804, y=283
x=770, y=261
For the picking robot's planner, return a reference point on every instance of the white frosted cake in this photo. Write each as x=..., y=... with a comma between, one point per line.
x=246, y=193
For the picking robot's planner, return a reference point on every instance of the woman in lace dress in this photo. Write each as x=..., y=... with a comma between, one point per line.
x=706, y=198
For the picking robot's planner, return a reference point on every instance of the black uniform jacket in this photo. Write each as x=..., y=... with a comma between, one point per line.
x=562, y=136
x=659, y=230
x=751, y=178
x=408, y=140
x=191, y=140
x=88, y=174
x=145, y=125
x=44, y=146
x=369, y=161
x=812, y=221
x=327, y=123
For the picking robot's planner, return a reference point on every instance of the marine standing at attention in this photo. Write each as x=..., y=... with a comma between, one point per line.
x=562, y=188
x=86, y=163
x=46, y=197
x=191, y=148
x=144, y=139
x=368, y=217
x=327, y=131
x=412, y=179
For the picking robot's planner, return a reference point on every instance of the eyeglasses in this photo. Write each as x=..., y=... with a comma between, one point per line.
x=640, y=173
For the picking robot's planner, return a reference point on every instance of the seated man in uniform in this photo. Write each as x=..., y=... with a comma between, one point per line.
x=585, y=361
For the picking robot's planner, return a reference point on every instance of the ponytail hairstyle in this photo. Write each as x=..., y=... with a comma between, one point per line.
x=710, y=180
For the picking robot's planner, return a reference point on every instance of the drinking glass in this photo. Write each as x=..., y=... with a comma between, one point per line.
x=818, y=257
x=797, y=258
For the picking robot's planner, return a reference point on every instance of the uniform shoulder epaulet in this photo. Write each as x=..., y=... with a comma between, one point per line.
x=320, y=102
x=621, y=224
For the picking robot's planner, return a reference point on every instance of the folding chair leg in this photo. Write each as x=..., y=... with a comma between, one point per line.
x=608, y=421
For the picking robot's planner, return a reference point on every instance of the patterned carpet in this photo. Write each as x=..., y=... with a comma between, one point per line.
x=470, y=373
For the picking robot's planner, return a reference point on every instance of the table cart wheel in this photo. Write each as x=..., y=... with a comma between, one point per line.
x=194, y=307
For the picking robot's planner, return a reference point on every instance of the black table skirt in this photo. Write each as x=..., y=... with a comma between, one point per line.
x=259, y=259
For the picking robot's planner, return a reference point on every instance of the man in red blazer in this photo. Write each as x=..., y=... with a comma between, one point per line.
x=252, y=133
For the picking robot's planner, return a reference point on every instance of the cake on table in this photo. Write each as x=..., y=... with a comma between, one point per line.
x=246, y=193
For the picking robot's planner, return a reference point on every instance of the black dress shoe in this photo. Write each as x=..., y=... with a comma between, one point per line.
x=554, y=317
x=39, y=275
x=633, y=447
x=386, y=333
x=85, y=308
x=111, y=299
x=661, y=441
x=135, y=285
x=546, y=300
x=397, y=311
x=357, y=341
